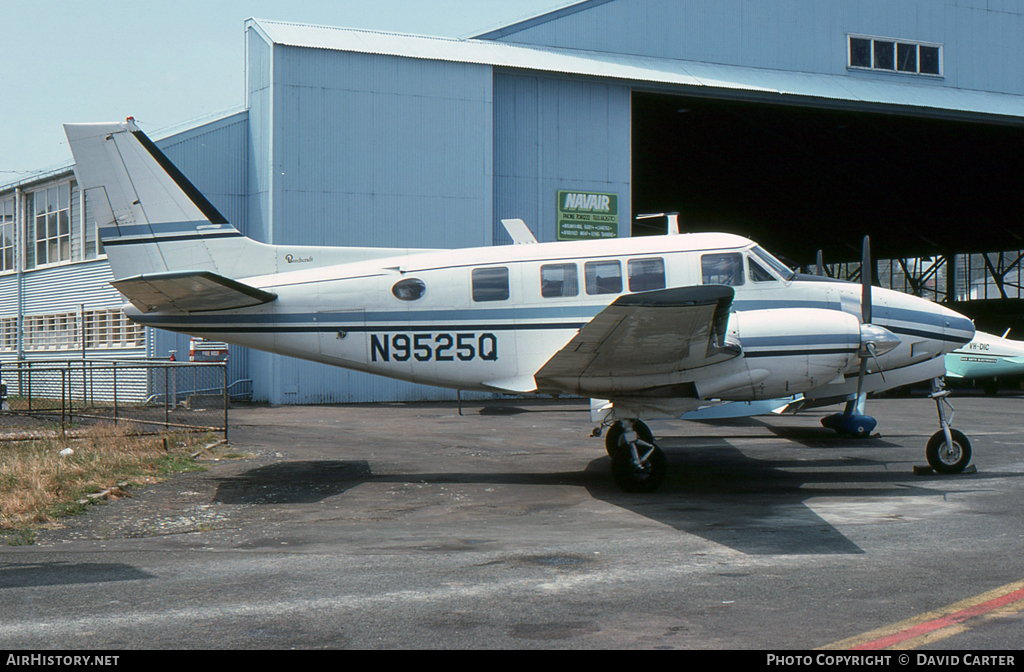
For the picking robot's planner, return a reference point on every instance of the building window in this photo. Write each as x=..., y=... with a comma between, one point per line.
x=62, y=331
x=112, y=329
x=9, y=334
x=7, y=235
x=58, y=229
x=874, y=53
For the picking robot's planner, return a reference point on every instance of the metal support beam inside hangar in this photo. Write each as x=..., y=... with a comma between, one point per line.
x=923, y=184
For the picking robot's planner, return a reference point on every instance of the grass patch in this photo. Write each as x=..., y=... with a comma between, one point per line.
x=39, y=485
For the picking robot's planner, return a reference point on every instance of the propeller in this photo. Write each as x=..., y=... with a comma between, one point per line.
x=875, y=340
x=865, y=281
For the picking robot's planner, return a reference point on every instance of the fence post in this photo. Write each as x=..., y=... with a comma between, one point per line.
x=113, y=371
x=63, y=390
x=71, y=403
x=224, y=376
x=167, y=408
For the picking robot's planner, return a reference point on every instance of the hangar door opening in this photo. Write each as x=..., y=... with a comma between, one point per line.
x=800, y=179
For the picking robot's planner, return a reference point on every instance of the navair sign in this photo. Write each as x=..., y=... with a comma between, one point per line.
x=583, y=215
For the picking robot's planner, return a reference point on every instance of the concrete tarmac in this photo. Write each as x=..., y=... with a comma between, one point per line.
x=410, y=526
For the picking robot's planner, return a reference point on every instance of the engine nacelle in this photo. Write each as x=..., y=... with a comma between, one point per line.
x=788, y=350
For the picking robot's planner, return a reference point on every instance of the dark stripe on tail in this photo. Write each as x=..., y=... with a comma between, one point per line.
x=207, y=208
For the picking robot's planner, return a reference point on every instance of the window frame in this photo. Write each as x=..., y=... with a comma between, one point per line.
x=873, y=57
x=8, y=223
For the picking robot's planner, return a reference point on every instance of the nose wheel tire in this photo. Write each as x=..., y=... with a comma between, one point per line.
x=948, y=458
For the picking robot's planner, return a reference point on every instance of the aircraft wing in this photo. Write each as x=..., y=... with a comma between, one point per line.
x=190, y=292
x=651, y=334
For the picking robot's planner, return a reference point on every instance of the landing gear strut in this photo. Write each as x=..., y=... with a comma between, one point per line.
x=948, y=451
x=638, y=464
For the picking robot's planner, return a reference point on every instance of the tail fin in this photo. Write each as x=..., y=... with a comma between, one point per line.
x=153, y=221
x=151, y=218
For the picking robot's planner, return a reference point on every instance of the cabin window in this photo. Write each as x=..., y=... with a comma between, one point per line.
x=646, y=275
x=558, y=280
x=409, y=289
x=490, y=284
x=771, y=262
x=758, y=272
x=722, y=269
x=603, y=277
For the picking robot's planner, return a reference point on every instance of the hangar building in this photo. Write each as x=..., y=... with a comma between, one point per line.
x=803, y=125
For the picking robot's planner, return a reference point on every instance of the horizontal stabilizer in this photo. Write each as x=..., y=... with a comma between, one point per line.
x=190, y=292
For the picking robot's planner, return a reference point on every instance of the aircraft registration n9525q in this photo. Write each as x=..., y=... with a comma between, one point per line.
x=653, y=325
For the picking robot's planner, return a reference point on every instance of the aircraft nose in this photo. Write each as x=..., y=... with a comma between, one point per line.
x=957, y=328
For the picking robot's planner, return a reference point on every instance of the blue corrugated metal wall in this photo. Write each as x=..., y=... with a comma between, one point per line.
x=981, y=39
x=363, y=150
x=552, y=133
x=380, y=150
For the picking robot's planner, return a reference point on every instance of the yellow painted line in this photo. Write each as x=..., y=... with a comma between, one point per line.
x=937, y=625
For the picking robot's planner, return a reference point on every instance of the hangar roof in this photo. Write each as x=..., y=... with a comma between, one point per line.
x=662, y=73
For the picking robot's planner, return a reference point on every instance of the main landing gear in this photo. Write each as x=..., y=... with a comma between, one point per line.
x=638, y=464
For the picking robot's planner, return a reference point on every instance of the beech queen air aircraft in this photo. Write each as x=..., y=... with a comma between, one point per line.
x=654, y=325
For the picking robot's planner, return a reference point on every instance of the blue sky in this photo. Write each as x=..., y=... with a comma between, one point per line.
x=166, y=63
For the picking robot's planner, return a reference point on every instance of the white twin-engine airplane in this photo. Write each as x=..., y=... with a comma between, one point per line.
x=656, y=325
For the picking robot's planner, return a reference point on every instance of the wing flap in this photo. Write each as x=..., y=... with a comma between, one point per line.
x=650, y=334
x=190, y=292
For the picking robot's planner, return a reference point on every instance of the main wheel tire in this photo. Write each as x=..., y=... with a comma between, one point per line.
x=646, y=478
x=614, y=443
x=946, y=459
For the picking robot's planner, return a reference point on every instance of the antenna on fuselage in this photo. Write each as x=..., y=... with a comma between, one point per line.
x=673, y=220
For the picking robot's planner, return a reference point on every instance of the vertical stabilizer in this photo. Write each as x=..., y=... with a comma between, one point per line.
x=151, y=219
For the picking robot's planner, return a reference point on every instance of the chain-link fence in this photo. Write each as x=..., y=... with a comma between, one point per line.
x=42, y=397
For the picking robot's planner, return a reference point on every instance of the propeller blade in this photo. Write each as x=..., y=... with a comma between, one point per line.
x=819, y=268
x=865, y=282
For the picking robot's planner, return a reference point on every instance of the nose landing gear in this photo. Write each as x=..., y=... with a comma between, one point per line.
x=948, y=451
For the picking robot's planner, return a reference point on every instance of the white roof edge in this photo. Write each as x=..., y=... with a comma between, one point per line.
x=660, y=71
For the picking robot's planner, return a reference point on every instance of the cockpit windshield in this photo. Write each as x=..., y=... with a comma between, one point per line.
x=771, y=262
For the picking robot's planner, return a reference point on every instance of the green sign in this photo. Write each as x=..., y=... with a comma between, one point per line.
x=583, y=215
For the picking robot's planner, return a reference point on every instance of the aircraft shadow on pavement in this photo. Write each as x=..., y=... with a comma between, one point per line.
x=68, y=573
x=755, y=506
x=713, y=490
